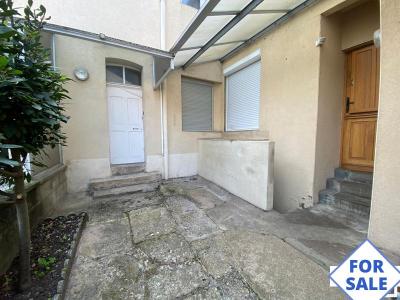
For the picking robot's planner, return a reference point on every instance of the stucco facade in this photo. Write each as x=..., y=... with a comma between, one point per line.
x=88, y=148
x=384, y=219
x=300, y=103
x=87, y=152
x=183, y=148
x=301, y=94
x=136, y=21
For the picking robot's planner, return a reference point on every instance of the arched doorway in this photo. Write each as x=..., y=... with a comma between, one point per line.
x=125, y=109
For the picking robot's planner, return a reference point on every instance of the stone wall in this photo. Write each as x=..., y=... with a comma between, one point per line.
x=45, y=191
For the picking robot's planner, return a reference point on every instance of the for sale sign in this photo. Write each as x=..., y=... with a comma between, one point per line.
x=366, y=274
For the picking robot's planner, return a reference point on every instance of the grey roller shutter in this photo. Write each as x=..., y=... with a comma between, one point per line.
x=243, y=98
x=196, y=106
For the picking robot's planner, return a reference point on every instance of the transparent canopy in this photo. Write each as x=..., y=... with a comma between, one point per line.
x=211, y=22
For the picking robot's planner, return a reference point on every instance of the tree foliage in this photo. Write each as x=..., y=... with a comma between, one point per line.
x=31, y=110
x=31, y=91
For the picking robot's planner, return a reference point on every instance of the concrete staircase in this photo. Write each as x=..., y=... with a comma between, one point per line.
x=127, y=169
x=349, y=191
x=125, y=179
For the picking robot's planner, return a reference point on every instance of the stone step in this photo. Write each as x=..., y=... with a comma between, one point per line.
x=145, y=187
x=348, y=175
x=361, y=189
x=127, y=169
x=123, y=181
x=346, y=201
x=327, y=196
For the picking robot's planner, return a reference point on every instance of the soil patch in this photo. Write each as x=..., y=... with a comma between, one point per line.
x=51, y=246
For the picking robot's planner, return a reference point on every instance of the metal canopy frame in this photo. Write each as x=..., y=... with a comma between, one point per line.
x=244, y=12
x=254, y=12
x=203, y=13
x=207, y=10
x=216, y=44
x=269, y=28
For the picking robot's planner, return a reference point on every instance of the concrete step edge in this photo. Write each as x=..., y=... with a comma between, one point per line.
x=122, y=184
x=127, y=169
x=361, y=177
x=146, y=187
x=361, y=189
x=123, y=177
x=354, y=199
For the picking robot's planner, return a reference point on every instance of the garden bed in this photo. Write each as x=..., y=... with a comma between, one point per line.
x=54, y=243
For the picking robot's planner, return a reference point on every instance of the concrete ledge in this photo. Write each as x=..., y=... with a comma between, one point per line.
x=242, y=167
x=44, y=193
x=44, y=176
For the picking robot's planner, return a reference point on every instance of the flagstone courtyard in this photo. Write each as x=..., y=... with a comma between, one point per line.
x=193, y=240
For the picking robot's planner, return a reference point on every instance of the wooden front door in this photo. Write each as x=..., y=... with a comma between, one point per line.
x=360, y=109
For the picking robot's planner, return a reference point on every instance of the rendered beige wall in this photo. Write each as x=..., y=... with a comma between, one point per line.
x=348, y=28
x=345, y=29
x=136, y=21
x=183, y=149
x=384, y=220
x=330, y=94
x=359, y=23
x=294, y=93
x=87, y=151
x=288, y=110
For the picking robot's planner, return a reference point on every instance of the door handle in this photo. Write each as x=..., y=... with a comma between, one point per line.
x=134, y=128
x=348, y=102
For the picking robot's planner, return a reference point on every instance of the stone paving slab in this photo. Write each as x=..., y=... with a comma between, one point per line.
x=204, y=199
x=215, y=261
x=114, y=208
x=167, y=249
x=230, y=216
x=117, y=276
x=275, y=270
x=150, y=222
x=232, y=286
x=102, y=239
x=326, y=253
x=306, y=217
x=190, y=242
x=176, y=281
x=193, y=223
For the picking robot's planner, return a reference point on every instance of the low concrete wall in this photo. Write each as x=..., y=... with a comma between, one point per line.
x=45, y=191
x=243, y=167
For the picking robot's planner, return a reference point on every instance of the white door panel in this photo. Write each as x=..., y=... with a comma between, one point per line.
x=126, y=125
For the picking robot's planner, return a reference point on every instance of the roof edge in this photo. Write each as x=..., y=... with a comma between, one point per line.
x=102, y=38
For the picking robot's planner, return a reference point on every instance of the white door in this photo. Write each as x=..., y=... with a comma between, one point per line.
x=126, y=124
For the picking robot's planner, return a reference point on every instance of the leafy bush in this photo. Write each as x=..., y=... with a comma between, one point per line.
x=31, y=91
x=31, y=102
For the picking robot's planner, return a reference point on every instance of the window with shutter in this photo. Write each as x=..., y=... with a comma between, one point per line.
x=196, y=105
x=243, y=98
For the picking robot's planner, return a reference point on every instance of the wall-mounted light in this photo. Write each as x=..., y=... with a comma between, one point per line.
x=377, y=38
x=320, y=41
x=81, y=73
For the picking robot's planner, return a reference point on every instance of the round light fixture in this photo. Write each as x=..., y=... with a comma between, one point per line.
x=377, y=38
x=81, y=74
